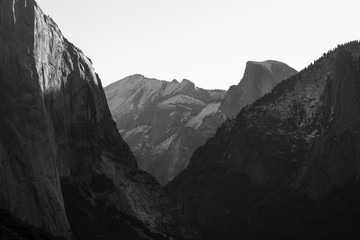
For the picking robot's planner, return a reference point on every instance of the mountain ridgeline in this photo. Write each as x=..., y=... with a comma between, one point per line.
x=288, y=165
x=164, y=122
x=284, y=163
x=65, y=170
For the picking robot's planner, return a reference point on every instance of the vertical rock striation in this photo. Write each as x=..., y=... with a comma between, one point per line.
x=55, y=124
x=29, y=182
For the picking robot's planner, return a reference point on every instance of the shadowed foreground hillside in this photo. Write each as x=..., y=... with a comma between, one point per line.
x=287, y=167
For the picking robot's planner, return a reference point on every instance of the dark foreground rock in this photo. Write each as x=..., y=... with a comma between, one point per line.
x=55, y=123
x=12, y=228
x=287, y=167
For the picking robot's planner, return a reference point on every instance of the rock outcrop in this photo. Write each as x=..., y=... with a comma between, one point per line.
x=163, y=122
x=56, y=132
x=259, y=79
x=287, y=167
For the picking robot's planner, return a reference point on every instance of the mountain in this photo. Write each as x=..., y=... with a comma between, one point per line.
x=288, y=166
x=259, y=78
x=65, y=169
x=163, y=122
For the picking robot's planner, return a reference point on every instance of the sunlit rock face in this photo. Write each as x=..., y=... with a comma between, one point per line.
x=287, y=167
x=64, y=167
x=163, y=122
x=259, y=79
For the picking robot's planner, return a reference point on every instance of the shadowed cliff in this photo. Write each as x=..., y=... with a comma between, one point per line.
x=55, y=124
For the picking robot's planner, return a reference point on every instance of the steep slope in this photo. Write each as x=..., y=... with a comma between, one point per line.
x=55, y=124
x=287, y=167
x=259, y=78
x=163, y=122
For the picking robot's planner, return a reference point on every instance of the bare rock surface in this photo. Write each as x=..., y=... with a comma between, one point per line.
x=56, y=128
x=163, y=122
x=259, y=79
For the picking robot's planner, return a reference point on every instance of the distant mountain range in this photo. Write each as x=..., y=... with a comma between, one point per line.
x=275, y=157
x=164, y=122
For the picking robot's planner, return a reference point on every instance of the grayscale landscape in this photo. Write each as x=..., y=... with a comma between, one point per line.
x=275, y=154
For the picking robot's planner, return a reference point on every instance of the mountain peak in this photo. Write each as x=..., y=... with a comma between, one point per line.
x=136, y=75
x=186, y=80
x=268, y=64
x=259, y=78
x=187, y=85
x=152, y=115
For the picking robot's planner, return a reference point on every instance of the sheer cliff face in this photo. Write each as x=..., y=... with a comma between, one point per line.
x=30, y=186
x=259, y=78
x=163, y=122
x=55, y=124
x=286, y=167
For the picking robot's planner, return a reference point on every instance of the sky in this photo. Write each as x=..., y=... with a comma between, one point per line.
x=205, y=41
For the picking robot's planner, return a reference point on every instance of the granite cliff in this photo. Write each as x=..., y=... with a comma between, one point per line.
x=259, y=79
x=287, y=167
x=65, y=169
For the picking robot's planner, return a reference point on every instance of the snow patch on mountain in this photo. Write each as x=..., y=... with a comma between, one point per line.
x=179, y=100
x=149, y=112
x=217, y=94
x=164, y=146
x=196, y=121
x=134, y=131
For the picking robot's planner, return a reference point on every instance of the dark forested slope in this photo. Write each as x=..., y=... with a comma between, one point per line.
x=288, y=166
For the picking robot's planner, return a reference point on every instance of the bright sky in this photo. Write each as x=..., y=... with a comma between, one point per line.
x=205, y=41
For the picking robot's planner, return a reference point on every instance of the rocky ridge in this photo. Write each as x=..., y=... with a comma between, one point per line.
x=163, y=122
